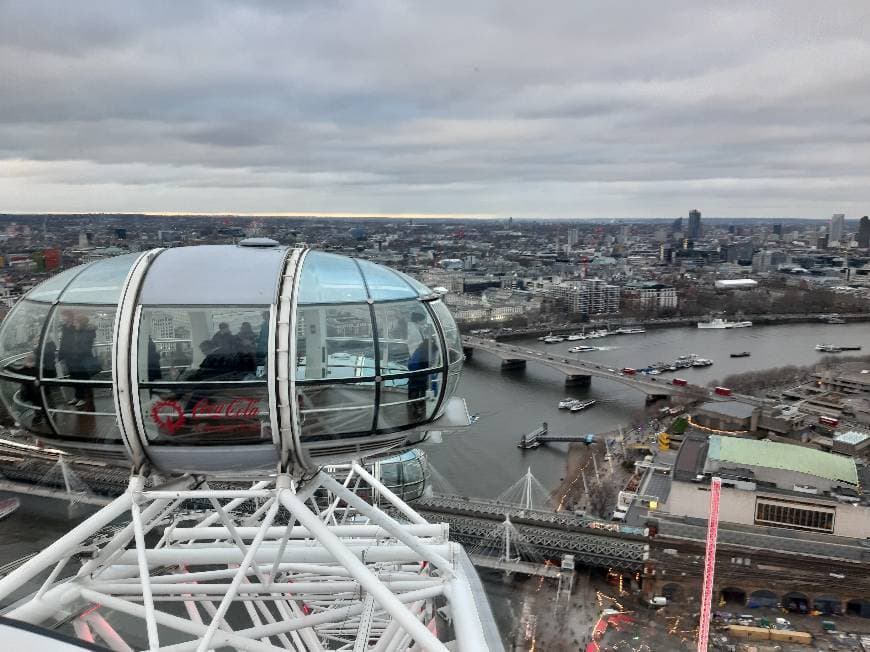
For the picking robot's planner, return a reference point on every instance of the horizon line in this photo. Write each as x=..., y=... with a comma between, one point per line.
x=422, y=216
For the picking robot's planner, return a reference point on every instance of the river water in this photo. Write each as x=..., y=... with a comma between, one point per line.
x=484, y=460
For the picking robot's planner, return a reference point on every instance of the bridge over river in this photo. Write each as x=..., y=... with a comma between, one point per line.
x=580, y=373
x=489, y=525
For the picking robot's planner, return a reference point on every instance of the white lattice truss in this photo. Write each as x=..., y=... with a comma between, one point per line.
x=275, y=566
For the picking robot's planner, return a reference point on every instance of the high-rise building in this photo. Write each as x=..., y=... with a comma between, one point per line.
x=694, y=225
x=777, y=229
x=677, y=225
x=864, y=233
x=835, y=231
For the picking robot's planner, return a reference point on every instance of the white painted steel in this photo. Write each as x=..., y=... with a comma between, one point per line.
x=307, y=585
x=361, y=572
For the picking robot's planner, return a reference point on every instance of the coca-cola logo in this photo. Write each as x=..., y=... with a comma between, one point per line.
x=170, y=416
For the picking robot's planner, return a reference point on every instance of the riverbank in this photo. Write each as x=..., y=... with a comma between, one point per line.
x=565, y=328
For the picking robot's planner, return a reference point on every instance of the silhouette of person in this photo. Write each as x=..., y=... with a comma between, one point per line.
x=225, y=339
x=247, y=341
x=263, y=340
x=417, y=384
x=83, y=365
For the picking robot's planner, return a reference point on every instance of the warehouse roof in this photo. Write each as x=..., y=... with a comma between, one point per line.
x=789, y=457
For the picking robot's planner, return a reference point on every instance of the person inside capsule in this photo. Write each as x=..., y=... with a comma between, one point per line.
x=212, y=393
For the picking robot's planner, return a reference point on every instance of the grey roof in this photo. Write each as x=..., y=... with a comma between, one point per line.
x=734, y=409
x=245, y=276
x=851, y=437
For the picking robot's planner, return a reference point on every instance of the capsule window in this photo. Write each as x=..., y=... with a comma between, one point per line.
x=202, y=375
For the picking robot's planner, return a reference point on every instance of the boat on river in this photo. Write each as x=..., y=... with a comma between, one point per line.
x=582, y=348
x=742, y=354
x=836, y=348
x=724, y=323
x=582, y=405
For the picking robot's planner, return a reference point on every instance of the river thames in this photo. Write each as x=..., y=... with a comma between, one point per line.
x=484, y=460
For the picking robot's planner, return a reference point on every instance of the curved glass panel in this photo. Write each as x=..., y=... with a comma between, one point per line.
x=385, y=284
x=335, y=409
x=25, y=405
x=203, y=344
x=83, y=411
x=19, y=350
x=50, y=290
x=202, y=375
x=451, y=332
x=334, y=342
x=421, y=289
x=404, y=474
x=200, y=415
x=211, y=275
x=408, y=401
x=101, y=282
x=407, y=338
x=327, y=278
x=78, y=343
x=19, y=337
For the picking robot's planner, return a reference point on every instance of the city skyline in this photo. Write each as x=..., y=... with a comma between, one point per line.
x=447, y=110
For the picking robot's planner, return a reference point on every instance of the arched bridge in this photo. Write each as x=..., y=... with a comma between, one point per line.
x=580, y=373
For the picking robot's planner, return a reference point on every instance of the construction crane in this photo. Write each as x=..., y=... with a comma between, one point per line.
x=709, y=565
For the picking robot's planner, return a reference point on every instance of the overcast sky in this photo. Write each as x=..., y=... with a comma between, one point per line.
x=550, y=109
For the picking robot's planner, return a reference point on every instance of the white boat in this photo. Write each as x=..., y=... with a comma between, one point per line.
x=575, y=337
x=582, y=405
x=629, y=331
x=724, y=323
x=553, y=339
x=582, y=348
x=828, y=348
x=8, y=506
x=566, y=403
x=701, y=362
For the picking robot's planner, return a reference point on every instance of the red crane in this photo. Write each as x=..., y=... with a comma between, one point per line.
x=709, y=565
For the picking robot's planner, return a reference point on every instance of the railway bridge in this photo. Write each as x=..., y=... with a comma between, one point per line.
x=481, y=524
x=580, y=373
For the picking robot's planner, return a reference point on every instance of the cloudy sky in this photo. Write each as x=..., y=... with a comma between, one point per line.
x=556, y=109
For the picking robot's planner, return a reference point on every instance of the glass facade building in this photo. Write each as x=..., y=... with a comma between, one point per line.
x=223, y=358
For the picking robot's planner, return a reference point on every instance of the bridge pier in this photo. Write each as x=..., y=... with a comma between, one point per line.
x=513, y=363
x=653, y=398
x=468, y=351
x=578, y=380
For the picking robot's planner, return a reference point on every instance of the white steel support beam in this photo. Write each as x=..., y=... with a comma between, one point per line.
x=64, y=546
x=393, y=499
x=144, y=572
x=390, y=525
x=364, y=576
x=237, y=580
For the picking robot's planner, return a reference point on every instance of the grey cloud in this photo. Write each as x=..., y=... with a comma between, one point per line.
x=501, y=107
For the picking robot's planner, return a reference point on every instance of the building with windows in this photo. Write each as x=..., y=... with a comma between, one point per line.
x=864, y=232
x=649, y=295
x=835, y=230
x=588, y=296
x=695, y=231
x=771, y=484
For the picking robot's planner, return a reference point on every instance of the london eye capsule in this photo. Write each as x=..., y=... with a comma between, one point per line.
x=228, y=358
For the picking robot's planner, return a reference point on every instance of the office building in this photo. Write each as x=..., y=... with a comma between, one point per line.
x=835, y=231
x=864, y=233
x=694, y=225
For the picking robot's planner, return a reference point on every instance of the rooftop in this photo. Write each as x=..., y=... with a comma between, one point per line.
x=734, y=409
x=788, y=457
x=851, y=437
